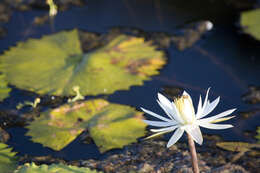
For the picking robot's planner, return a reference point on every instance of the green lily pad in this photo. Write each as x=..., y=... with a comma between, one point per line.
x=56, y=63
x=54, y=168
x=258, y=134
x=237, y=146
x=4, y=89
x=7, y=159
x=251, y=23
x=110, y=125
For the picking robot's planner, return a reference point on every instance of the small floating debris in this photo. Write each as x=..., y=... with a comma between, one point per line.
x=192, y=34
x=252, y=96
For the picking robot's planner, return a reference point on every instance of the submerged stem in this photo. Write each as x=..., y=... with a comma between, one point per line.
x=194, y=159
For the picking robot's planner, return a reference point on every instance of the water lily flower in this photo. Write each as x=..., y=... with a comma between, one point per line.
x=182, y=117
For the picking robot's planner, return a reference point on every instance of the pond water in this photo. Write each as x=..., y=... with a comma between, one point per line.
x=222, y=59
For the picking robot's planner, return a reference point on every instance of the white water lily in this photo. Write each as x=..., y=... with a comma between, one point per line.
x=182, y=117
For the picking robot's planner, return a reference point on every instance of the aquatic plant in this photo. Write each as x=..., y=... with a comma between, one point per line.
x=241, y=148
x=56, y=63
x=53, y=8
x=183, y=118
x=258, y=134
x=110, y=125
x=4, y=89
x=28, y=103
x=77, y=97
x=237, y=146
x=8, y=161
x=33, y=168
x=250, y=23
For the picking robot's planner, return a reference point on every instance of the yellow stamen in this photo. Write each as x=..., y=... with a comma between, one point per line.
x=185, y=108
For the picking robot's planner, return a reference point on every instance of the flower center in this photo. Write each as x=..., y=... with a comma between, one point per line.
x=185, y=108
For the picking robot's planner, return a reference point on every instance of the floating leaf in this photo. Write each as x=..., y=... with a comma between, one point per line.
x=54, y=168
x=7, y=159
x=237, y=146
x=55, y=64
x=258, y=134
x=4, y=89
x=251, y=23
x=110, y=125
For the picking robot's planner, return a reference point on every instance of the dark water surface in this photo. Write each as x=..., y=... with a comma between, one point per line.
x=223, y=60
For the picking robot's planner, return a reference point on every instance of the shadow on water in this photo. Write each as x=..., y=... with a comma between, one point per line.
x=37, y=149
x=222, y=59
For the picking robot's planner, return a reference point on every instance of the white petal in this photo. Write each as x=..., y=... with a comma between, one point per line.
x=205, y=102
x=210, y=107
x=157, y=134
x=169, y=108
x=208, y=120
x=165, y=102
x=215, y=126
x=166, y=105
x=166, y=109
x=155, y=115
x=165, y=129
x=206, y=98
x=175, y=137
x=159, y=123
x=195, y=133
x=185, y=93
x=222, y=119
x=199, y=109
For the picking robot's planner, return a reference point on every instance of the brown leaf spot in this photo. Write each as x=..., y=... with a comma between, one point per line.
x=134, y=65
x=101, y=126
x=116, y=49
x=72, y=108
x=97, y=69
x=139, y=115
x=114, y=60
x=101, y=104
x=57, y=123
x=57, y=110
x=52, y=116
x=88, y=111
x=73, y=132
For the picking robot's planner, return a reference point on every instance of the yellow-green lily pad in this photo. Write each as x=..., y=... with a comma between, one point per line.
x=54, y=168
x=250, y=21
x=237, y=146
x=7, y=159
x=258, y=134
x=56, y=63
x=110, y=125
x=4, y=89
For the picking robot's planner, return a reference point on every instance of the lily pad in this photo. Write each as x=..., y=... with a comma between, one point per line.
x=56, y=63
x=110, y=125
x=251, y=23
x=32, y=168
x=4, y=89
x=7, y=159
x=258, y=134
x=237, y=146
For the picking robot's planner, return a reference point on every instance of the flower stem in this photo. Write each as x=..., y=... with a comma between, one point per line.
x=194, y=159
